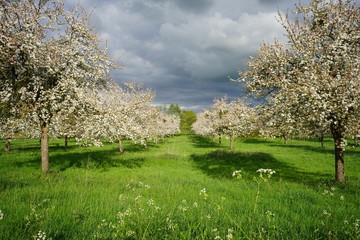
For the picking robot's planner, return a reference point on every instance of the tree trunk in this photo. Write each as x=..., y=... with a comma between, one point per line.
x=219, y=138
x=121, y=148
x=339, y=153
x=232, y=142
x=7, y=143
x=44, y=147
x=285, y=139
x=145, y=143
x=66, y=140
x=321, y=139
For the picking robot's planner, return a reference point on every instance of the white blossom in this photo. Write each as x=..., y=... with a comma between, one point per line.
x=312, y=81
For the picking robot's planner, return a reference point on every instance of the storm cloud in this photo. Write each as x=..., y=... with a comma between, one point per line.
x=185, y=50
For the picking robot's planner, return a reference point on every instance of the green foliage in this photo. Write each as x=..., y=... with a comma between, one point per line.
x=187, y=118
x=182, y=188
x=173, y=109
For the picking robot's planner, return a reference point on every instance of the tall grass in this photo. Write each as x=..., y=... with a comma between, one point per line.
x=180, y=189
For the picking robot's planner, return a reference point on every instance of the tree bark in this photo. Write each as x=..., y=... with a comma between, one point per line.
x=285, y=139
x=7, y=143
x=66, y=140
x=121, y=147
x=145, y=143
x=321, y=139
x=339, y=153
x=44, y=147
x=219, y=138
x=231, y=142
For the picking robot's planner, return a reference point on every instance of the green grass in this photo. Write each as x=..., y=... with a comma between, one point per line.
x=154, y=193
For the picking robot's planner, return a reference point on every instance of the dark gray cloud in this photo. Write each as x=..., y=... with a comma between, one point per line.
x=198, y=6
x=185, y=49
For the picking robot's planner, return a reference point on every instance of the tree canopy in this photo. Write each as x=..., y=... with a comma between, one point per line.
x=50, y=60
x=315, y=75
x=173, y=109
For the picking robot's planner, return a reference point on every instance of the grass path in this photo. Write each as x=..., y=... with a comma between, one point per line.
x=89, y=188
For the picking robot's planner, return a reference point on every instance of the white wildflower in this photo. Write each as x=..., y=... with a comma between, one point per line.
x=357, y=223
x=171, y=226
x=121, y=197
x=235, y=173
x=41, y=235
x=325, y=212
x=183, y=208
x=203, y=193
x=265, y=174
x=270, y=214
x=150, y=202
x=266, y=171
x=229, y=236
x=121, y=215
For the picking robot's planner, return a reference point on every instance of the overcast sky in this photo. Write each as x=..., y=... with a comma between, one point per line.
x=185, y=50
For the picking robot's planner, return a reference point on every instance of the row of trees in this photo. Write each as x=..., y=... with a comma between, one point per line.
x=54, y=79
x=237, y=119
x=116, y=112
x=54, y=74
x=187, y=118
x=314, y=78
x=231, y=119
x=311, y=83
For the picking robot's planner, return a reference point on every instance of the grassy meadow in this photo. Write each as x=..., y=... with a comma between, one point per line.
x=182, y=188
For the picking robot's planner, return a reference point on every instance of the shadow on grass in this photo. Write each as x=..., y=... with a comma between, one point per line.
x=103, y=159
x=255, y=141
x=38, y=148
x=221, y=164
x=204, y=142
x=139, y=147
x=8, y=184
x=317, y=149
x=99, y=159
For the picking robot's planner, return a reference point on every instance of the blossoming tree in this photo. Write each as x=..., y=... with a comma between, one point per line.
x=116, y=110
x=225, y=118
x=277, y=121
x=315, y=75
x=49, y=57
x=231, y=118
x=152, y=123
x=202, y=125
